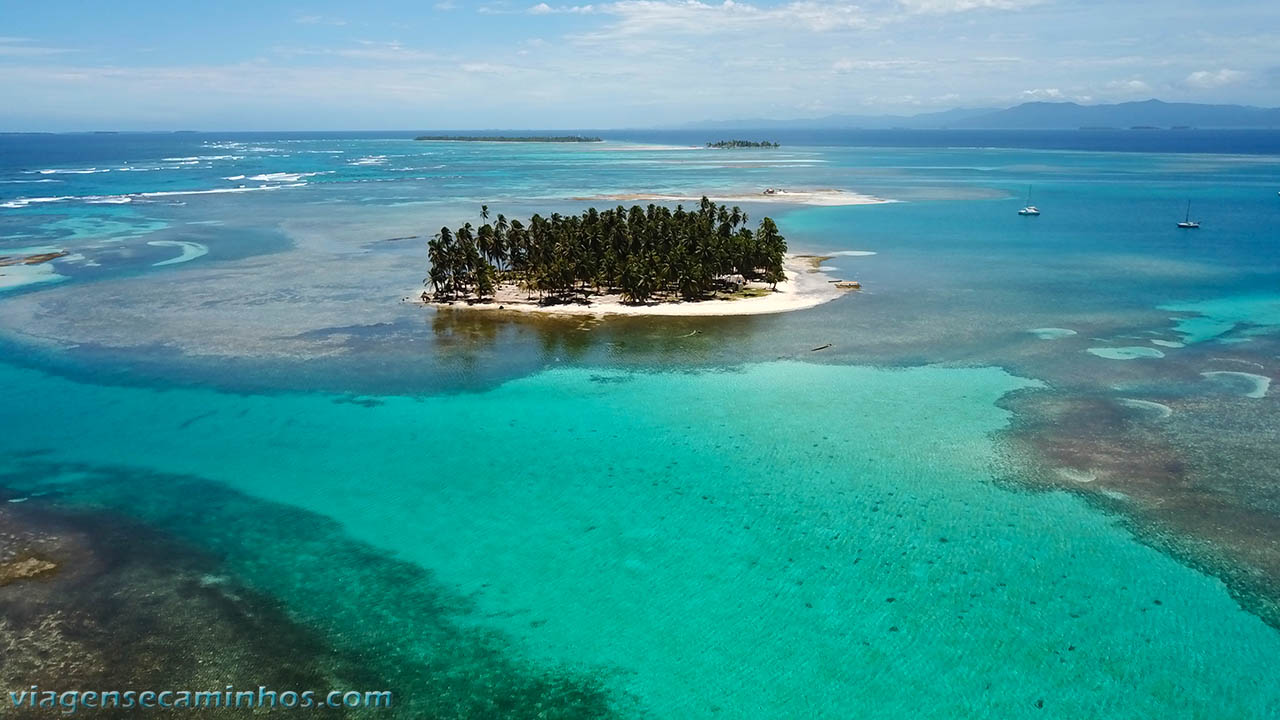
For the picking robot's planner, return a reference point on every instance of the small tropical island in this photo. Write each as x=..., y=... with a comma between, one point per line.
x=507, y=138
x=638, y=260
x=725, y=144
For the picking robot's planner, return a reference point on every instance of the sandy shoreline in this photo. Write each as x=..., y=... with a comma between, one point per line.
x=828, y=198
x=806, y=286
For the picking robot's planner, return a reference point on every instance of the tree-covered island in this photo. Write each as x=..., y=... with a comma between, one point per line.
x=725, y=144
x=641, y=254
x=512, y=139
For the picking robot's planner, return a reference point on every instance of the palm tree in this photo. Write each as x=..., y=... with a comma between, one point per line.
x=640, y=252
x=484, y=241
x=485, y=276
x=438, y=254
x=773, y=248
x=500, y=251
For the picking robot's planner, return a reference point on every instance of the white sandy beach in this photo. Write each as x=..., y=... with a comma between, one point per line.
x=805, y=287
x=827, y=197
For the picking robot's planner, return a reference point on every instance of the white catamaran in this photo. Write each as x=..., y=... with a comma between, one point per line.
x=1029, y=209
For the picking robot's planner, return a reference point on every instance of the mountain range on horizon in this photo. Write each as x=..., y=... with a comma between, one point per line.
x=1035, y=116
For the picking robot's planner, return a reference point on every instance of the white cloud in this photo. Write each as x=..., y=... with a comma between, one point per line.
x=487, y=68
x=376, y=52
x=1042, y=94
x=1135, y=87
x=691, y=17
x=319, y=20
x=1215, y=78
x=612, y=62
x=23, y=47
x=545, y=9
x=847, y=66
x=941, y=7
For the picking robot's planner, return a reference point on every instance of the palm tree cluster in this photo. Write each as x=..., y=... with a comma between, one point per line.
x=722, y=144
x=641, y=253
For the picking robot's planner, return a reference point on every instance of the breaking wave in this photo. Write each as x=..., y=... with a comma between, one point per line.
x=132, y=197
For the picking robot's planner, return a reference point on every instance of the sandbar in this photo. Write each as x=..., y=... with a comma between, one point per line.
x=826, y=198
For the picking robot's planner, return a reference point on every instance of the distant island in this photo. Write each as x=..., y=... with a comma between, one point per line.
x=639, y=260
x=507, y=138
x=1029, y=116
x=742, y=144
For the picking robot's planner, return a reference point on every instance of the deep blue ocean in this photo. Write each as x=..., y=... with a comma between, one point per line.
x=1030, y=473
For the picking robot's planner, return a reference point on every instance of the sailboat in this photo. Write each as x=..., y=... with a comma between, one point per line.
x=1029, y=209
x=1187, y=223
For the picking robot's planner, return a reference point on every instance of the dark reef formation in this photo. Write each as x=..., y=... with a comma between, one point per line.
x=94, y=601
x=177, y=582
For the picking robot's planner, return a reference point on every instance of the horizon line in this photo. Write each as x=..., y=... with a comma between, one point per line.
x=671, y=128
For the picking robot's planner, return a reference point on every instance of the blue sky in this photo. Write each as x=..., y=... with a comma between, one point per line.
x=69, y=64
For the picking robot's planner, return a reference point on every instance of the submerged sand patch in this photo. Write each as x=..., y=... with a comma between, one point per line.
x=189, y=251
x=16, y=276
x=1260, y=384
x=1050, y=333
x=1160, y=411
x=1125, y=353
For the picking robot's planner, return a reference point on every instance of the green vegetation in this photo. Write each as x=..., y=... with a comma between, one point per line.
x=504, y=138
x=748, y=292
x=722, y=144
x=640, y=253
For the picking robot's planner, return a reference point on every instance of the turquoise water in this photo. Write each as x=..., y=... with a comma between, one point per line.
x=629, y=517
x=1216, y=318
x=852, y=552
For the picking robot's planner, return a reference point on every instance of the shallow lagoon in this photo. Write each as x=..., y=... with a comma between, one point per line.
x=842, y=551
x=705, y=517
